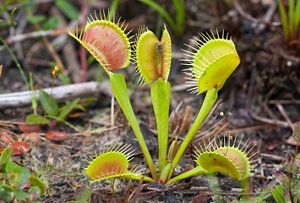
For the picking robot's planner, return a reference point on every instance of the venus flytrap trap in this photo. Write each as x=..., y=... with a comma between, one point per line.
x=210, y=64
x=223, y=156
x=114, y=163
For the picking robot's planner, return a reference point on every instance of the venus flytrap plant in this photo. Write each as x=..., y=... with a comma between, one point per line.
x=210, y=65
x=212, y=62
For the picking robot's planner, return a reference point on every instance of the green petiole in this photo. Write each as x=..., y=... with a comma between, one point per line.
x=208, y=103
x=195, y=171
x=160, y=96
x=120, y=91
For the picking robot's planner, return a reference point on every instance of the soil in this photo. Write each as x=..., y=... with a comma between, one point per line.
x=260, y=103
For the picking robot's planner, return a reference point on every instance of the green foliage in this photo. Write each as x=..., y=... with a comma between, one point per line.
x=10, y=21
x=161, y=97
x=68, y=9
x=17, y=182
x=36, y=19
x=113, y=9
x=66, y=109
x=47, y=23
x=51, y=23
x=120, y=91
x=52, y=110
x=290, y=19
x=34, y=102
x=65, y=79
x=37, y=119
x=278, y=194
x=177, y=24
x=48, y=103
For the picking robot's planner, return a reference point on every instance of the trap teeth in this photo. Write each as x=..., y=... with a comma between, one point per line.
x=113, y=163
x=227, y=159
x=213, y=59
x=106, y=41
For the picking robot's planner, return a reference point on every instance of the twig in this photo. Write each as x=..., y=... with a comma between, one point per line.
x=96, y=131
x=42, y=33
x=247, y=129
x=62, y=93
x=137, y=192
x=273, y=157
x=294, y=59
x=270, y=121
x=112, y=111
x=286, y=117
x=267, y=17
x=241, y=11
x=282, y=101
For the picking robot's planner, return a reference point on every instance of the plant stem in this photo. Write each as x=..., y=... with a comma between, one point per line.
x=14, y=58
x=180, y=16
x=195, y=171
x=208, y=103
x=113, y=8
x=160, y=96
x=163, y=176
x=120, y=91
x=33, y=97
x=161, y=11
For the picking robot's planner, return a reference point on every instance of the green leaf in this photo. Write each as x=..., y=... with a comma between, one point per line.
x=37, y=119
x=67, y=109
x=79, y=107
x=298, y=195
x=36, y=19
x=68, y=9
x=278, y=194
x=20, y=195
x=291, y=18
x=6, y=193
x=48, y=103
x=156, y=6
x=21, y=174
x=65, y=79
x=160, y=96
x=34, y=102
x=296, y=132
x=51, y=23
x=297, y=15
x=35, y=181
x=5, y=157
x=284, y=20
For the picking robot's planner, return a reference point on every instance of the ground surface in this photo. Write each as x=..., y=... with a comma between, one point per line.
x=260, y=102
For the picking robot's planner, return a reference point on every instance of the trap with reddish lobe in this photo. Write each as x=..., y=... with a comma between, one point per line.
x=112, y=163
x=107, y=45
